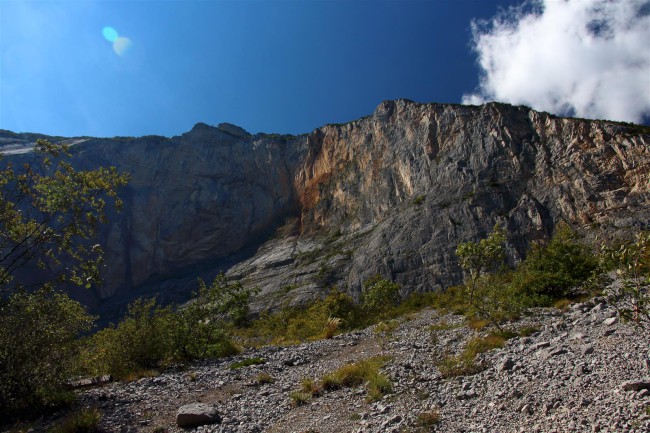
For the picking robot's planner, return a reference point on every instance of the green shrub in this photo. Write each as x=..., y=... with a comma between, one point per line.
x=552, y=269
x=378, y=386
x=632, y=264
x=291, y=325
x=484, y=344
x=483, y=288
x=379, y=295
x=225, y=299
x=459, y=365
x=146, y=339
x=150, y=336
x=494, y=293
x=204, y=324
x=38, y=349
x=465, y=363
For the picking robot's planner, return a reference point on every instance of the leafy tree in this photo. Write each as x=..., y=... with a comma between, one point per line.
x=206, y=319
x=340, y=305
x=145, y=339
x=632, y=263
x=481, y=261
x=379, y=294
x=552, y=269
x=48, y=213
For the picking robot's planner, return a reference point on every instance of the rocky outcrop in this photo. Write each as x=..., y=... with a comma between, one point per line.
x=392, y=193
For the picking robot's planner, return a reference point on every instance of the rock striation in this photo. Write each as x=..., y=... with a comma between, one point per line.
x=392, y=193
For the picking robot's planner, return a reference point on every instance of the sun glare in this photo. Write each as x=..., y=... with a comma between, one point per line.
x=110, y=34
x=121, y=44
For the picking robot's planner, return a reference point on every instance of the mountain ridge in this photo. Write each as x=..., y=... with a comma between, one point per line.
x=390, y=193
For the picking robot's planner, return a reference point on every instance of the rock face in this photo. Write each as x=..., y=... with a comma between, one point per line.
x=392, y=193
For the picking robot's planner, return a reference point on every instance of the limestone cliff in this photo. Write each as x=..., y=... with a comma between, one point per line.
x=392, y=193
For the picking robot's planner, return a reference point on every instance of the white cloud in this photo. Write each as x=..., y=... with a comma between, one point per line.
x=589, y=58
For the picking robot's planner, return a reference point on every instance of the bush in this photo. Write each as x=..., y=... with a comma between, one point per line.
x=290, y=325
x=632, y=264
x=379, y=295
x=151, y=337
x=38, y=349
x=494, y=293
x=552, y=269
x=145, y=339
x=309, y=386
x=264, y=378
x=484, y=285
x=204, y=324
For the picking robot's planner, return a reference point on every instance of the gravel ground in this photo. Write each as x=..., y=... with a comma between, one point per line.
x=566, y=377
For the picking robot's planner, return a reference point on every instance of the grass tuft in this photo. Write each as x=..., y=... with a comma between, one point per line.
x=477, y=324
x=364, y=371
x=247, y=362
x=465, y=364
x=428, y=419
x=562, y=304
x=299, y=398
x=310, y=386
x=264, y=378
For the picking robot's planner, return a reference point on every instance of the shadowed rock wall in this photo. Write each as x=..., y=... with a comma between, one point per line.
x=392, y=193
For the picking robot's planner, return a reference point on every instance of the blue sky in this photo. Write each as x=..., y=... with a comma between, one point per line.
x=268, y=66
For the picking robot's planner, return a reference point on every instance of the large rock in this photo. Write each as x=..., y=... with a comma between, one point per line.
x=196, y=414
x=637, y=385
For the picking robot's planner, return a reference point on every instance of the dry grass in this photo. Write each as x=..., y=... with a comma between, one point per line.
x=428, y=419
x=80, y=421
x=477, y=324
x=562, y=304
x=264, y=378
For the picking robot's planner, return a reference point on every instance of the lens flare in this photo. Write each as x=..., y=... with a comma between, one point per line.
x=121, y=45
x=110, y=34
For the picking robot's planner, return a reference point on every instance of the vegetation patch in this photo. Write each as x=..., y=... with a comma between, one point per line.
x=358, y=373
x=264, y=378
x=310, y=386
x=299, y=398
x=418, y=200
x=80, y=421
x=428, y=419
x=246, y=363
x=465, y=363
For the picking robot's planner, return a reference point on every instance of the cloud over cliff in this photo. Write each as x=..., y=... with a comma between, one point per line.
x=588, y=58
